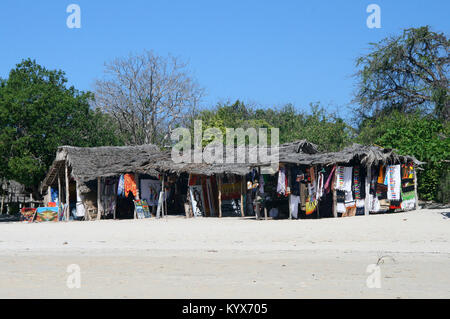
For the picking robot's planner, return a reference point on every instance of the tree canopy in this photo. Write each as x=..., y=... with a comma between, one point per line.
x=38, y=113
x=407, y=73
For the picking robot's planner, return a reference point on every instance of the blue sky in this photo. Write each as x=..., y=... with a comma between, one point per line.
x=268, y=53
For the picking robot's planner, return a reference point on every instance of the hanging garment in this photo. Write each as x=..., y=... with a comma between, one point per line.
x=261, y=184
x=281, y=185
x=329, y=179
x=408, y=200
x=80, y=211
x=374, y=204
x=344, y=178
x=394, y=182
x=312, y=174
x=320, y=188
x=130, y=185
x=294, y=201
x=311, y=206
x=356, y=183
x=381, y=175
x=303, y=195
x=121, y=186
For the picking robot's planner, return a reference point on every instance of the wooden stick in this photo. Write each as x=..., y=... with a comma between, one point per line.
x=67, y=193
x=99, y=201
x=242, y=195
x=219, y=184
x=138, y=194
x=366, y=199
x=3, y=200
x=335, y=213
x=59, y=196
x=415, y=189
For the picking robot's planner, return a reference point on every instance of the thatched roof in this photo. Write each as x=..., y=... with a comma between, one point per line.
x=164, y=163
x=367, y=155
x=88, y=163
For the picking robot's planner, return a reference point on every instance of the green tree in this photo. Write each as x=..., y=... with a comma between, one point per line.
x=425, y=137
x=327, y=130
x=405, y=73
x=38, y=113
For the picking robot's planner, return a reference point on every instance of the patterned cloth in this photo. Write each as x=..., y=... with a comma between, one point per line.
x=394, y=182
x=27, y=214
x=344, y=178
x=130, y=185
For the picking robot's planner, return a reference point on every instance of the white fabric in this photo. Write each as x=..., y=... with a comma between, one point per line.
x=394, y=182
x=340, y=207
x=374, y=203
x=80, y=211
x=281, y=185
x=294, y=201
x=344, y=178
x=261, y=184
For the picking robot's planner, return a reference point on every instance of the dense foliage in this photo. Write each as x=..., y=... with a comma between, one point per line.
x=422, y=136
x=38, y=113
x=325, y=129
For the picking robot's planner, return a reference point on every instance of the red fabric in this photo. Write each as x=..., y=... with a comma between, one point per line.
x=130, y=184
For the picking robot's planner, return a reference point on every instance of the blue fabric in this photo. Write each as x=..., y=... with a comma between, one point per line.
x=121, y=186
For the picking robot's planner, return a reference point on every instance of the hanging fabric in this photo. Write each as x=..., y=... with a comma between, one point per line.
x=121, y=186
x=394, y=182
x=130, y=185
x=281, y=185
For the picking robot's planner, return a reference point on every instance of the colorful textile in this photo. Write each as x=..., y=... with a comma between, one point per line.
x=356, y=183
x=344, y=178
x=381, y=175
x=142, y=209
x=394, y=182
x=121, y=186
x=54, y=195
x=311, y=207
x=47, y=214
x=408, y=200
x=27, y=214
x=130, y=185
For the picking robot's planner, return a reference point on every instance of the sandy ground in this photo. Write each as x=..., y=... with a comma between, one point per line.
x=230, y=258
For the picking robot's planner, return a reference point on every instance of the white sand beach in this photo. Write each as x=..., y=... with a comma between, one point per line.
x=230, y=257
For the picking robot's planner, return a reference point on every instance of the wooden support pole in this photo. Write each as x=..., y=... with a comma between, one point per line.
x=335, y=213
x=3, y=201
x=288, y=175
x=99, y=198
x=366, y=199
x=59, y=196
x=242, y=195
x=67, y=193
x=115, y=201
x=219, y=186
x=416, y=196
x=138, y=193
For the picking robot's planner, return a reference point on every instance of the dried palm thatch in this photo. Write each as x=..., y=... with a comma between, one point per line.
x=88, y=163
x=232, y=164
x=366, y=155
